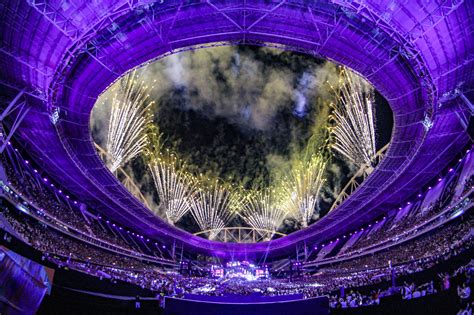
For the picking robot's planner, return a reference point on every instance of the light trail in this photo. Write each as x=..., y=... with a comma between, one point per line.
x=129, y=117
x=353, y=118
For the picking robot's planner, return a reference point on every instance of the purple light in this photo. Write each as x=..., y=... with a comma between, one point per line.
x=75, y=202
x=107, y=221
x=408, y=203
x=113, y=224
x=67, y=196
x=45, y=179
x=36, y=171
x=26, y=161
x=450, y=170
x=429, y=188
x=60, y=191
x=419, y=195
x=440, y=179
x=81, y=93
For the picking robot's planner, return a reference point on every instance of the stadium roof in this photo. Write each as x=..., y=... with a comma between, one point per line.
x=62, y=54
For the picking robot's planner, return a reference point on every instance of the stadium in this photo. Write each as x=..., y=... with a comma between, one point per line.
x=236, y=157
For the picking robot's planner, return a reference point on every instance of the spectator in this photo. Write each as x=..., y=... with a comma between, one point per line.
x=137, y=302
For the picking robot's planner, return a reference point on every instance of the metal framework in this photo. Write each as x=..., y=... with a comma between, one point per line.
x=465, y=105
x=239, y=234
x=64, y=54
x=16, y=109
x=125, y=179
x=357, y=179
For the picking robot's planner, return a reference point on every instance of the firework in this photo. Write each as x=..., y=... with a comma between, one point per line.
x=174, y=188
x=353, y=117
x=302, y=186
x=129, y=118
x=261, y=210
x=210, y=206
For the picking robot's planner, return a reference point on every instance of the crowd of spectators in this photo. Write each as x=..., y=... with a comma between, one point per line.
x=412, y=256
x=43, y=197
x=426, y=249
x=52, y=242
x=416, y=217
x=420, y=254
x=463, y=276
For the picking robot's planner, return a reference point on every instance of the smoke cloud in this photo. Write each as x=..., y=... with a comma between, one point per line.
x=249, y=88
x=239, y=87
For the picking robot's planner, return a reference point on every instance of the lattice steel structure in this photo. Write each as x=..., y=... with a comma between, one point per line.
x=240, y=234
x=362, y=173
x=63, y=54
x=126, y=180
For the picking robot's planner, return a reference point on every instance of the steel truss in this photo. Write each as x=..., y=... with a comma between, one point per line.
x=17, y=111
x=125, y=179
x=403, y=51
x=239, y=234
x=84, y=44
x=358, y=178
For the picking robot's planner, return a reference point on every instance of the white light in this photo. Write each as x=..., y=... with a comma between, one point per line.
x=129, y=118
x=174, y=188
x=353, y=115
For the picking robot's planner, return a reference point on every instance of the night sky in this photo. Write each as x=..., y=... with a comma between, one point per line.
x=239, y=113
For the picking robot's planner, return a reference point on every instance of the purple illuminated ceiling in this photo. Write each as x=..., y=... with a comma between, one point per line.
x=63, y=54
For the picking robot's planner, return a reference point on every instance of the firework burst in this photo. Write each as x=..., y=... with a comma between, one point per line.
x=210, y=206
x=353, y=116
x=261, y=210
x=302, y=186
x=174, y=188
x=129, y=118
